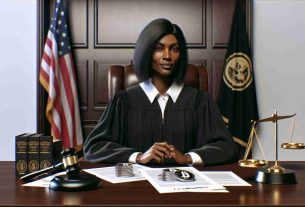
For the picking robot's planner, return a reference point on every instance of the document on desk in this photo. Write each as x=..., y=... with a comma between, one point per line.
x=206, y=181
x=43, y=182
x=201, y=183
x=109, y=174
x=105, y=173
x=225, y=178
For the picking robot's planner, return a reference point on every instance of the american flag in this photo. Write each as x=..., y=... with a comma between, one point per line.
x=57, y=76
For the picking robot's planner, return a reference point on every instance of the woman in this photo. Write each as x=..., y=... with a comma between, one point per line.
x=160, y=118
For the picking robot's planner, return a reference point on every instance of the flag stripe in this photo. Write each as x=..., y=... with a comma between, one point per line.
x=66, y=130
x=76, y=122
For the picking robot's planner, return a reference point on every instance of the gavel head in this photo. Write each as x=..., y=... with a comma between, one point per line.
x=70, y=161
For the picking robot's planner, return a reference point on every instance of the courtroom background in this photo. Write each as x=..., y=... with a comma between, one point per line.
x=278, y=45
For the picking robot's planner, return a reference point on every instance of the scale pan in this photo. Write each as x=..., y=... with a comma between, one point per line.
x=292, y=145
x=253, y=163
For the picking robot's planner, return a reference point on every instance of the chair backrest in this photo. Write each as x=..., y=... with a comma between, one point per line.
x=121, y=77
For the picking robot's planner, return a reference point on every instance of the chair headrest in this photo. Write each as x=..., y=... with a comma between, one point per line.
x=121, y=77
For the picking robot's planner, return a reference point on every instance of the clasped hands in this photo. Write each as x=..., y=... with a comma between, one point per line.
x=161, y=150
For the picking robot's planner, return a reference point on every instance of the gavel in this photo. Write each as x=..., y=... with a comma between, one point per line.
x=73, y=180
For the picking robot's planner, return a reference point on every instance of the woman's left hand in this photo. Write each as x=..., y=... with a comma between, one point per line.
x=179, y=157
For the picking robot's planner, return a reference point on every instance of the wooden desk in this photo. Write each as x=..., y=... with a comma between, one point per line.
x=142, y=193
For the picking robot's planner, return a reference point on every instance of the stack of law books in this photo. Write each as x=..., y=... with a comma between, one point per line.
x=35, y=152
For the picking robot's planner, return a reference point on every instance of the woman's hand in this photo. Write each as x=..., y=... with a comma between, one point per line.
x=157, y=152
x=179, y=157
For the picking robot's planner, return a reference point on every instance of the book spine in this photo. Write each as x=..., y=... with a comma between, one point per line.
x=21, y=145
x=33, y=153
x=46, y=152
x=57, y=149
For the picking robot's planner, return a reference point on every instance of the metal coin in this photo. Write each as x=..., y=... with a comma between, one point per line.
x=184, y=175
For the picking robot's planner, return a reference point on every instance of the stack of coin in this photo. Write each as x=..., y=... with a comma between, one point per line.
x=124, y=170
x=167, y=175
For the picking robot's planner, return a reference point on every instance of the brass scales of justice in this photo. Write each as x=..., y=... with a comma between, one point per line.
x=275, y=174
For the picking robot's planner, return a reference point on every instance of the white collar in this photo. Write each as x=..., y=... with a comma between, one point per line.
x=151, y=91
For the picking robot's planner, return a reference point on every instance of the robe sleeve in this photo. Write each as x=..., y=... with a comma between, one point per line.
x=108, y=141
x=214, y=143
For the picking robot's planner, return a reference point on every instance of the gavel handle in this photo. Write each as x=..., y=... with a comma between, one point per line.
x=40, y=172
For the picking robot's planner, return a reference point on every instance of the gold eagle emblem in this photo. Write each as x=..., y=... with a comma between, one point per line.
x=238, y=71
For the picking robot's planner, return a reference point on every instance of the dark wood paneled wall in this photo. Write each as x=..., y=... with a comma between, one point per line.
x=104, y=33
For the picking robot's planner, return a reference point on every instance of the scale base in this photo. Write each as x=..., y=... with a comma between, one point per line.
x=81, y=182
x=286, y=178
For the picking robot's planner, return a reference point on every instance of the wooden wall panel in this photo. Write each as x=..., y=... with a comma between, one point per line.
x=78, y=16
x=83, y=80
x=222, y=13
x=119, y=22
x=215, y=77
x=100, y=94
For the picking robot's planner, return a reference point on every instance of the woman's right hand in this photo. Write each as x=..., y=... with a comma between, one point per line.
x=157, y=152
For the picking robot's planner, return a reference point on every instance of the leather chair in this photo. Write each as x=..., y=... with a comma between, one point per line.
x=121, y=77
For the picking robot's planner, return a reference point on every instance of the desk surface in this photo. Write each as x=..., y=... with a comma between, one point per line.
x=142, y=193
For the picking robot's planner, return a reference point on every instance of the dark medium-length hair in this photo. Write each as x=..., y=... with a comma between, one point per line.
x=145, y=48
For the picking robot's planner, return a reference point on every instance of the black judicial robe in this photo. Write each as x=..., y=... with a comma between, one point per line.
x=131, y=123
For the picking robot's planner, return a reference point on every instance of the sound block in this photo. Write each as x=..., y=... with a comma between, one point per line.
x=81, y=182
x=286, y=178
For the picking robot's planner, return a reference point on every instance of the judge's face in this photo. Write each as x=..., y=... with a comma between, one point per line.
x=165, y=56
